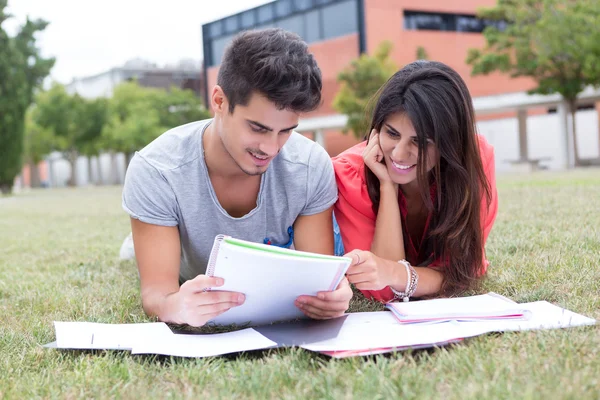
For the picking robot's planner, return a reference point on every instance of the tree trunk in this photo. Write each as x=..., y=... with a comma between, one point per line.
x=573, y=109
x=72, y=157
x=5, y=188
x=90, y=174
x=114, y=174
x=51, y=179
x=128, y=157
x=34, y=175
x=100, y=180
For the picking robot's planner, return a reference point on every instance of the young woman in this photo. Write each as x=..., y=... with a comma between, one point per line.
x=417, y=199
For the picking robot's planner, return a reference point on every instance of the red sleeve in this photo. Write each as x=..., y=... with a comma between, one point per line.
x=353, y=210
x=488, y=210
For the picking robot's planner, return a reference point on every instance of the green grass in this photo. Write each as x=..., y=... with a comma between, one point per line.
x=59, y=261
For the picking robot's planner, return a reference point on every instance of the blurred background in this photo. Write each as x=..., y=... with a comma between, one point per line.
x=85, y=84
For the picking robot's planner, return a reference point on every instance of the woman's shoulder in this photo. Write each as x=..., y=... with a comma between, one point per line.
x=485, y=149
x=349, y=164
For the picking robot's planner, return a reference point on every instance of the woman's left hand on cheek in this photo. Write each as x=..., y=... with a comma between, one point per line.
x=369, y=272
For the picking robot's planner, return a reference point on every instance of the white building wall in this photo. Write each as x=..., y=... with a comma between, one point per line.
x=543, y=138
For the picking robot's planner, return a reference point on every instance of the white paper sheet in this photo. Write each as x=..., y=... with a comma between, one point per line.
x=544, y=315
x=91, y=335
x=364, y=331
x=204, y=345
x=376, y=330
x=485, y=306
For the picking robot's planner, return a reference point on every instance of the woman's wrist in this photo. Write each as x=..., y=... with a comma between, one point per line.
x=399, y=277
x=388, y=187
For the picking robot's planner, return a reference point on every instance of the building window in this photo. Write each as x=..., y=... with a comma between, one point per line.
x=218, y=47
x=248, y=19
x=215, y=29
x=420, y=20
x=312, y=26
x=231, y=24
x=283, y=8
x=302, y=5
x=293, y=24
x=265, y=13
x=313, y=20
x=340, y=19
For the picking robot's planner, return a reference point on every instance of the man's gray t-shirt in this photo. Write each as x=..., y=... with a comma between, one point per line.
x=167, y=184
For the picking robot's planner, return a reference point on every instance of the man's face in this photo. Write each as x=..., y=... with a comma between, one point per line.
x=255, y=133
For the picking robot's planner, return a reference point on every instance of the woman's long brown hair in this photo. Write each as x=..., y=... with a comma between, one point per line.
x=438, y=103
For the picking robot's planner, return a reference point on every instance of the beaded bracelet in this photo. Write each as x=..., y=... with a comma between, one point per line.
x=412, y=280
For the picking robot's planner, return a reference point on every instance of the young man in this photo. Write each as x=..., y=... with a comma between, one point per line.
x=244, y=173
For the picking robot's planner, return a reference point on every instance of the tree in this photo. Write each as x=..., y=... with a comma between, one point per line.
x=95, y=117
x=555, y=42
x=75, y=122
x=133, y=120
x=422, y=53
x=39, y=142
x=22, y=70
x=138, y=115
x=359, y=85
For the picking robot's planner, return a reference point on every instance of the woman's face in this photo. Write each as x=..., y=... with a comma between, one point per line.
x=400, y=147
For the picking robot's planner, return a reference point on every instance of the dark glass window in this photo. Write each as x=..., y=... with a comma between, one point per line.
x=428, y=21
x=283, y=8
x=302, y=5
x=293, y=24
x=265, y=13
x=231, y=24
x=416, y=20
x=218, y=47
x=248, y=19
x=312, y=29
x=340, y=19
x=215, y=29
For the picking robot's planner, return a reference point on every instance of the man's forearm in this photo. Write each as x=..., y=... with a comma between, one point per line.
x=161, y=305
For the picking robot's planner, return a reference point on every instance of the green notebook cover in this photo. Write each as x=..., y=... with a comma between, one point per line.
x=279, y=250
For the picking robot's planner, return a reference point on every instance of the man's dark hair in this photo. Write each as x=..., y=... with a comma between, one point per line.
x=274, y=63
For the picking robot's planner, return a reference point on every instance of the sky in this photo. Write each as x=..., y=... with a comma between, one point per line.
x=88, y=37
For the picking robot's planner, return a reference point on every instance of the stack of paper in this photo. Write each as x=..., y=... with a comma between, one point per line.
x=353, y=334
x=475, y=308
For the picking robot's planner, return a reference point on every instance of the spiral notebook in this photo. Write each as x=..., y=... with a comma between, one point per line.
x=271, y=278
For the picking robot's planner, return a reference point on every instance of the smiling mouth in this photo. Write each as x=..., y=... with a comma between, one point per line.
x=403, y=167
x=259, y=157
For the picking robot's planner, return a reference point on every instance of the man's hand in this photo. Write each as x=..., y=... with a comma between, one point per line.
x=193, y=306
x=369, y=272
x=326, y=305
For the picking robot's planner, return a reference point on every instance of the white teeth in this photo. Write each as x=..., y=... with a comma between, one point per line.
x=399, y=166
x=259, y=157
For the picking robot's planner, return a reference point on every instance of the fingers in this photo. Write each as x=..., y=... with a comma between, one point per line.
x=358, y=257
x=202, y=282
x=342, y=293
x=217, y=297
x=201, y=319
x=320, y=309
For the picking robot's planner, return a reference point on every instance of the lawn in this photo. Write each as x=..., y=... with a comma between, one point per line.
x=59, y=261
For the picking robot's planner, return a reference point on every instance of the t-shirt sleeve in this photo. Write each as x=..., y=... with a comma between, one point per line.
x=147, y=195
x=489, y=210
x=353, y=210
x=321, y=191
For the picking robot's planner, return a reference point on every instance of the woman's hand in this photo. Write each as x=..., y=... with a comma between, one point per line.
x=369, y=272
x=374, y=159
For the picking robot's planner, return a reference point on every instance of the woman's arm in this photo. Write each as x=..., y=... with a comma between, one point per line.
x=371, y=272
x=388, y=242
